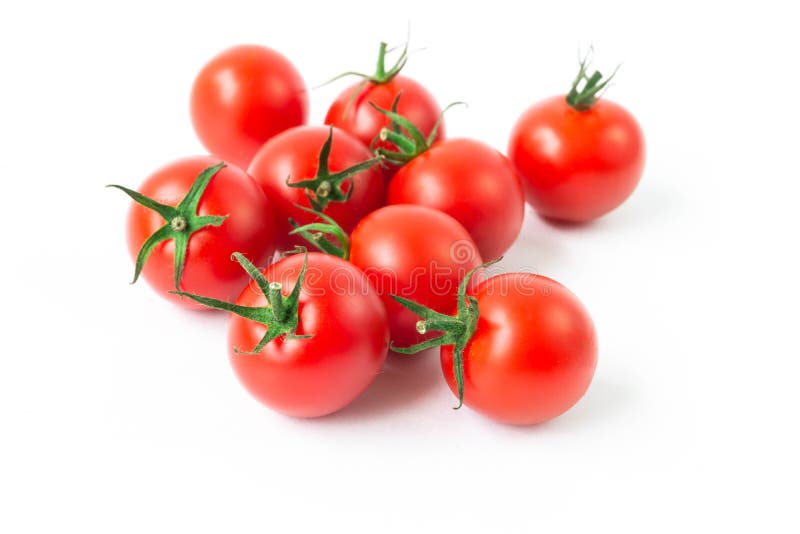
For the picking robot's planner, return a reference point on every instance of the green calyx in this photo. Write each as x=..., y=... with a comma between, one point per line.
x=409, y=141
x=585, y=97
x=181, y=222
x=456, y=330
x=280, y=315
x=315, y=233
x=326, y=187
x=382, y=74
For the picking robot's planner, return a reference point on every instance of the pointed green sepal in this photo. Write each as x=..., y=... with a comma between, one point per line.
x=192, y=198
x=167, y=212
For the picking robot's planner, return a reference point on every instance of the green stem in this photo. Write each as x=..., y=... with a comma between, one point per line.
x=178, y=224
x=380, y=69
x=583, y=98
x=275, y=299
x=382, y=75
x=440, y=325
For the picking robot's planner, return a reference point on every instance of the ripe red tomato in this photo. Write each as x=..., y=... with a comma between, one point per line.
x=352, y=112
x=243, y=97
x=533, y=354
x=416, y=252
x=520, y=348
x=473, y=183
x=334, y=341
x=294, y=155
x=248, y=227
x=577, y=165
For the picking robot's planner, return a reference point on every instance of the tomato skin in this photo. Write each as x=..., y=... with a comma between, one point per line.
x=577, y=165
x=322, y=374
x=473, y=183
x=243, y=97
x=533, y=354
x=249, y=229
x=358, y=118
x=295, y=153
x=415, y=252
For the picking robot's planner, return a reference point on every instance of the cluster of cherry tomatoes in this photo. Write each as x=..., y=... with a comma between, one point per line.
x=401, y=222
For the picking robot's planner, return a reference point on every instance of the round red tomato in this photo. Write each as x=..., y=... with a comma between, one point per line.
x=533, y=353
x=248, y=227
x=473, y=183
x=352, y=112
x=243, y=97
x=577, y=165
x=416, y=252
x=337, y=348
x=294, y=155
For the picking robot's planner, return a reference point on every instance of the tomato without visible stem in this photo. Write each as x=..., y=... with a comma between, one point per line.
x=242, y=98
x=577, y=165
x=316, y=375
x=294, y=155
x=352, y=112
x=473, y=183
x=533, y=353
x=413, y=251
x=249, y=228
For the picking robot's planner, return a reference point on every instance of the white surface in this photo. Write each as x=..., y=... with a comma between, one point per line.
x=120, y=413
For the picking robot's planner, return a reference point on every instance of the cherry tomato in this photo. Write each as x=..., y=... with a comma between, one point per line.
x=473, y=183
x=325, y=351
x=352, y=112
x=533, y=354
x=417, y=252
x=294, y=155
x=243, y=97
x=519, y=348
x=579, y=157
x=248, y=227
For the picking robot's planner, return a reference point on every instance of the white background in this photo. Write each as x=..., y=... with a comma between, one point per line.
x=120, y=412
